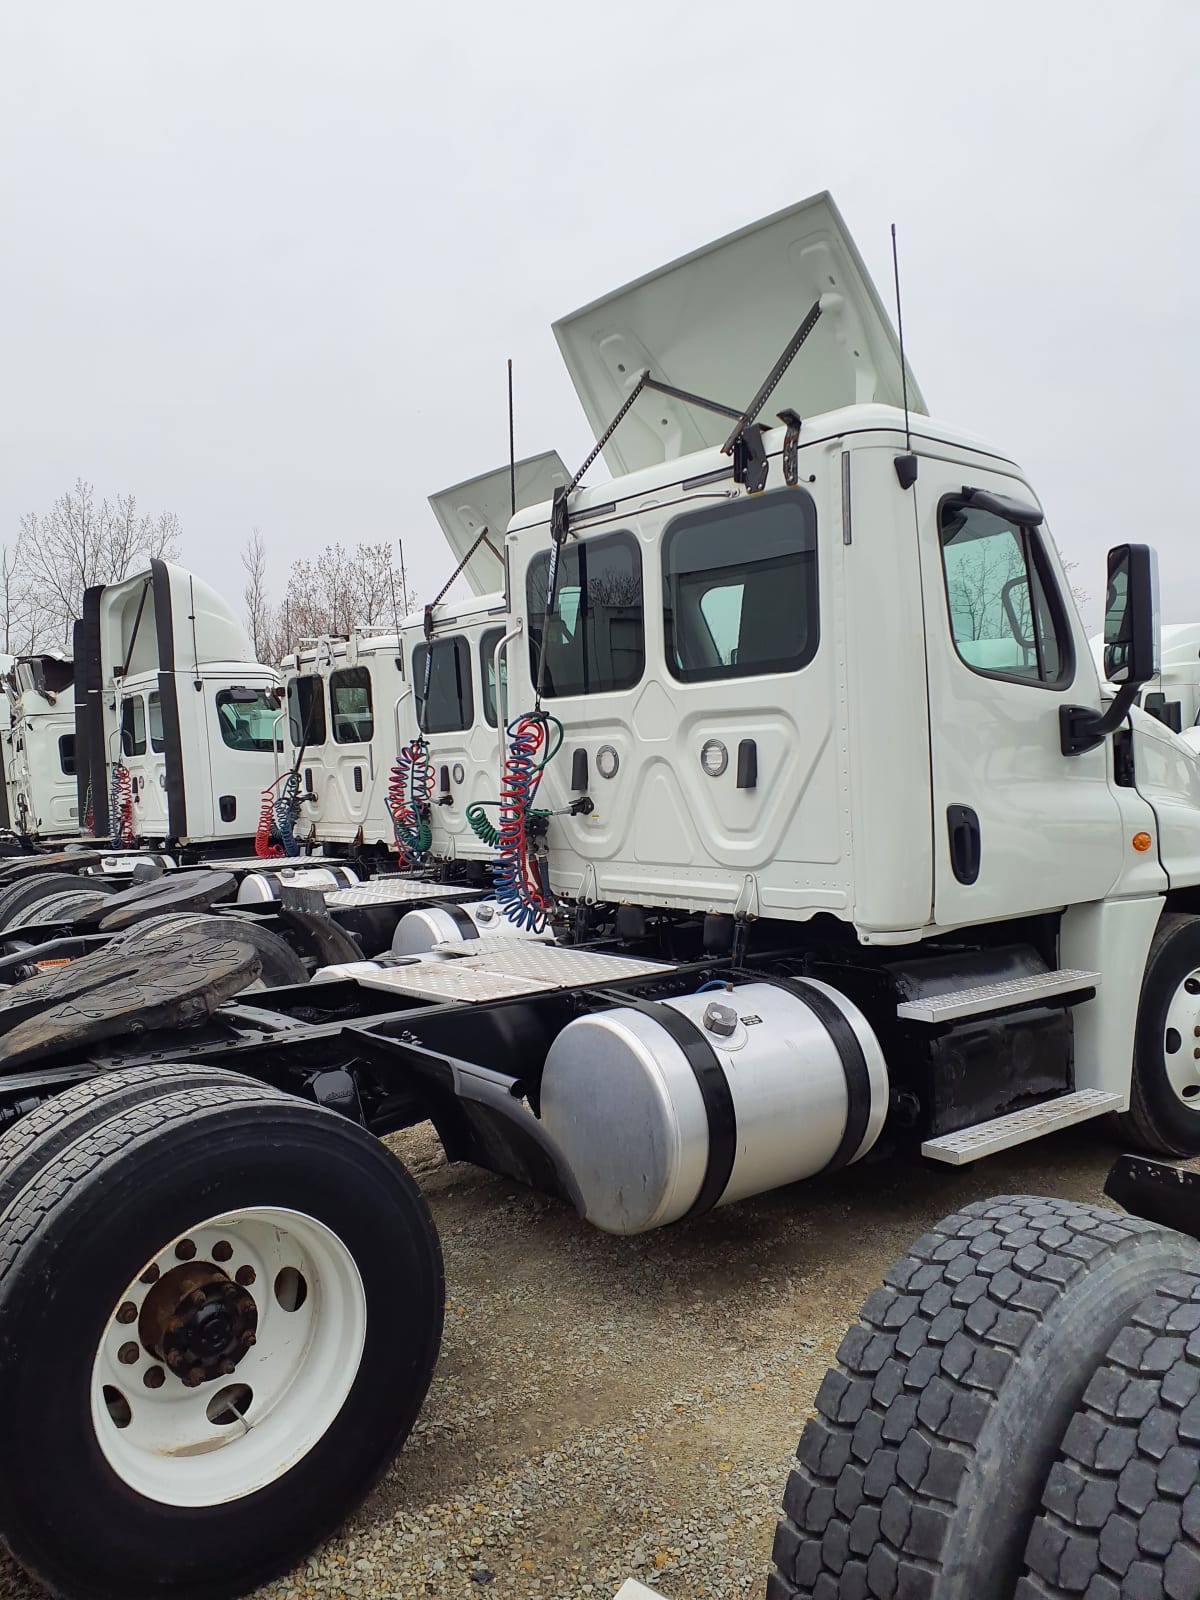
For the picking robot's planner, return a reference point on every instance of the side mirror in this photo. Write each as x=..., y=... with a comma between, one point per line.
x=1131, y=618
x=1131, y=646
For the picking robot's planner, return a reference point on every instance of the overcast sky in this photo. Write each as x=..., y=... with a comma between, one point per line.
x=262, y=261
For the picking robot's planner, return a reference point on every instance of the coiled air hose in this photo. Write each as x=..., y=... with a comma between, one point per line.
x=275, y=835
x=534, y=740
x=120, y=802
x=410, y=790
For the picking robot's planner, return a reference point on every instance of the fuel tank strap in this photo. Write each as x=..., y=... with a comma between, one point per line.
x=714, y=1092
x=461, y=921
x=850, y=1053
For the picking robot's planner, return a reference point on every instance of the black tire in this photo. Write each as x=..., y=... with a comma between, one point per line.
x=26, y=892
x=1121, y=1509
x=922, y=1473
x=281, y=966
x=86, y=1226
x=38, y=1137
x=1157, y=1119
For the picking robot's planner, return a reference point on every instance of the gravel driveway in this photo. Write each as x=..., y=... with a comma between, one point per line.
x=607, y=1408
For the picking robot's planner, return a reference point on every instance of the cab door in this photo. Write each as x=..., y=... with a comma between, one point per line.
x=351, y=760
x=1017, y=825
x=143, y=754
x=242, y=756
x=444, y=693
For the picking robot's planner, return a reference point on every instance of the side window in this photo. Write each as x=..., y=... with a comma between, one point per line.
x=1006, y=618
x=133, y=726
x=740, y=589
x=449, y=707
x=487, y=675
x=350, y=705
x=594, y=638
x=66, y=754
x=306, y=711
x=158, y=741
x=247, y=718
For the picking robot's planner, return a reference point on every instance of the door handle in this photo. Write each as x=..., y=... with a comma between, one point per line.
x=966, y=842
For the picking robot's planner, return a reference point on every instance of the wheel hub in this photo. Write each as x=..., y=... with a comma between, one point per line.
x=198, y=1322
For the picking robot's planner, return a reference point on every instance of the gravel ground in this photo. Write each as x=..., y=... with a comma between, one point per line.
x=607, y=1408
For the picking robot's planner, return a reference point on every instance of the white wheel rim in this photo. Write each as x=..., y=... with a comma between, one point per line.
x=1181, y=1041
x=157, y=1433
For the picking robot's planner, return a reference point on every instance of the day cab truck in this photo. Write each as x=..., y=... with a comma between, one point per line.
x=844, y=849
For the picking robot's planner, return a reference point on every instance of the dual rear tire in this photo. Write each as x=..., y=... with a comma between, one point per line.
x=220, y=1309
x=1015, y=1416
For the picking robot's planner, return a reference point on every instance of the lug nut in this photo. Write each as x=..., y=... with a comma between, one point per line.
x=150, y=1275
x=198, y=1297
x=249, y=1338
x=185, y=1249
x=193, y=1378
x=227, y=1367
x=222, y=1250
x=245, y=1276
x=128, y=1353
x=174, y=1359
x=154, y=1377
x=128, y=1312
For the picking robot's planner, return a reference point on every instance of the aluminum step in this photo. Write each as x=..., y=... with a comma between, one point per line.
x=987, y=997
x=1001, y=1133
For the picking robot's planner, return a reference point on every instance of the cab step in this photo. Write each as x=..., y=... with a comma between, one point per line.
x=989, y=997
x=1001, y=1133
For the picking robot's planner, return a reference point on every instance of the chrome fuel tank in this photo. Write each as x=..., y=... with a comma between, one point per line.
x=661, y=1110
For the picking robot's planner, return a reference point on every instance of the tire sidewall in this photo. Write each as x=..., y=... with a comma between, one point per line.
x=66, y=1513
x=1020, y=1440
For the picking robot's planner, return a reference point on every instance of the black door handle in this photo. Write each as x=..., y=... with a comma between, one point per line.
x=966, y=843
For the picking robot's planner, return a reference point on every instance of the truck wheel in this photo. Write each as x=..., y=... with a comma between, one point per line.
x=1164, y=1105
x=33, y=1141
x=1121, y=1511
x=219, y=1315
x=922, y=1472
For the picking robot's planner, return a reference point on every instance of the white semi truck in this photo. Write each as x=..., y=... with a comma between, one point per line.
x=177, y=729
x=39, y=746
x=845, y=850
x=394, y=733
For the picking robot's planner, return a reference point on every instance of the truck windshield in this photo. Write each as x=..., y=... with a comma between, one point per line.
x=247, y=724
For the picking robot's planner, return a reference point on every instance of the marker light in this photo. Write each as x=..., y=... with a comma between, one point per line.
x=1141, y=841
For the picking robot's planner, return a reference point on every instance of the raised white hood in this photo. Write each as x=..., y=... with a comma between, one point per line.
x=715, y=322
x=464, y=510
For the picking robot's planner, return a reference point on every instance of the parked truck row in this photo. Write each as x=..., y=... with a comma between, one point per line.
x=764, y=813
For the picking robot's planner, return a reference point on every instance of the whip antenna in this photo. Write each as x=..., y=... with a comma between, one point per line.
x=906, y=465
x=512, y=454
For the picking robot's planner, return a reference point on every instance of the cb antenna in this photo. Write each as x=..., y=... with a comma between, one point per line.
x=906, y=465
x=512, y=454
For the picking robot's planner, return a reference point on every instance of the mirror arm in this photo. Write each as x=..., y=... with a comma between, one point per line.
x=1081, y=728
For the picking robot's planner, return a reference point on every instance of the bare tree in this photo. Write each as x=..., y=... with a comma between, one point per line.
x=18, y=622
x=78, y=544
x=332, y=593
x=260, y=618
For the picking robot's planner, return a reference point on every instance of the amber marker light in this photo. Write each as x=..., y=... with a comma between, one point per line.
x=1141, y=841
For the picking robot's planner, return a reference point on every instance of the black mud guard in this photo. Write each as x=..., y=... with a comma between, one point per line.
x=1158, y=1191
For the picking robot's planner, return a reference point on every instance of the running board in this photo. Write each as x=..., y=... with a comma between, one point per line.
x=989, y=997
x=1001, y=1133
